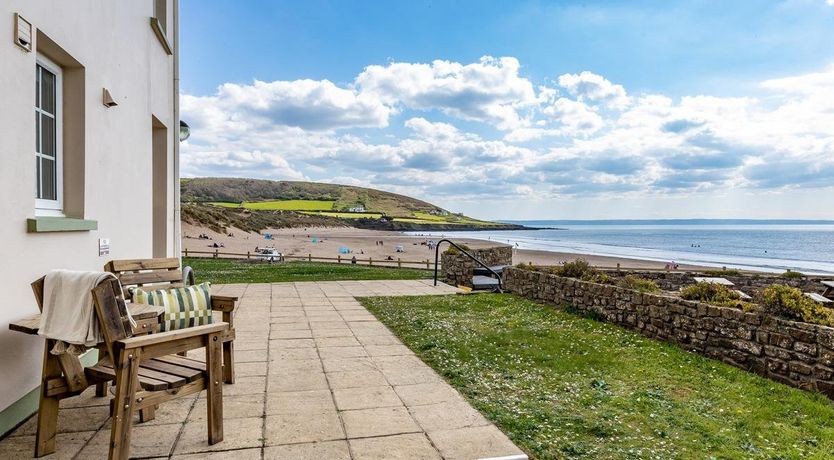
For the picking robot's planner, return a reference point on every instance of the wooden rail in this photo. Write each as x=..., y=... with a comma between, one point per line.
x=399, y=263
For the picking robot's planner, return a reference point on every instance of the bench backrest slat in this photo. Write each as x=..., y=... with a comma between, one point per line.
x=161, y=273
x=132, y=265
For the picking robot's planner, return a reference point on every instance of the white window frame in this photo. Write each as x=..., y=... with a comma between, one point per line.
x=53, y=207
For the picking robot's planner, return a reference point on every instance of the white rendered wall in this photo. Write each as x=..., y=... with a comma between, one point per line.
x=114, y=42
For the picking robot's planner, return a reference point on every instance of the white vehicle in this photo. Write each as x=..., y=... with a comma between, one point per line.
x=270, y=254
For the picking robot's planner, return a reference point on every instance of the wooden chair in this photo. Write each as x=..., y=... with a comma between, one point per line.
x=144, y=368
x=165, y=273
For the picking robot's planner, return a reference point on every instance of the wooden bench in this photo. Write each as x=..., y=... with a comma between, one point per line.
x=144, y=368
x=165, y=273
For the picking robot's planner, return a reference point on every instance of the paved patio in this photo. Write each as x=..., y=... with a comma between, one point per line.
x=318, y=377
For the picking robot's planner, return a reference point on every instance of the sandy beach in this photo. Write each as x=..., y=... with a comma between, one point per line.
x=377, y=245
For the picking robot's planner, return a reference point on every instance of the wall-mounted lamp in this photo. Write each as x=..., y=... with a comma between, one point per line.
x=107, y=98
x=22, y=33
x=185, y=131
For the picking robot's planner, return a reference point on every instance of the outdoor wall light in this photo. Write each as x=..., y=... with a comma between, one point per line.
x=185, y=131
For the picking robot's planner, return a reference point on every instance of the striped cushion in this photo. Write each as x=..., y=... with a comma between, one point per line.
x=184, y=307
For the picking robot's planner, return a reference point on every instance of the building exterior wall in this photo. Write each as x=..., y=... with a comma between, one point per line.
x=108, y=171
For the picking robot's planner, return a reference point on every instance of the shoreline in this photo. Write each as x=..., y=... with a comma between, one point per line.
x=382, y=244
x=542, y=257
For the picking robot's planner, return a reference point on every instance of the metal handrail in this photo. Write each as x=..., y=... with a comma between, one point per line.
x=437, y=255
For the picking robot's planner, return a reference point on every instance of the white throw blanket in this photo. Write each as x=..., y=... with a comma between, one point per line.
x=69, y=312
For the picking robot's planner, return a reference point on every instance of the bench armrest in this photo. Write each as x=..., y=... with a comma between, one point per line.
x=171, y=336
x=223, y=303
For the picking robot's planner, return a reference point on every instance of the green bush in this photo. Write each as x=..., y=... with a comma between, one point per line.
x=791, y=303
x=575, y=269
x=792, y=275
x=723, y=272
x=525, y=266
x=597, y=277
x=708, y=292
x=637, y=283
x=454, y=251
x=715, y=294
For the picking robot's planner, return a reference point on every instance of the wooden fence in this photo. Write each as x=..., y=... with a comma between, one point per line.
x=399, y=263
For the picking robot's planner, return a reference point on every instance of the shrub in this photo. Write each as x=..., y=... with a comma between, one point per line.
x=575, y=269
x=454, y=251
x=708, y=292
x=597, y=277
x=715, y=294
x=723, y=272
x=526, y=266
x=639, y=284
x=792, y=275
x=791, y=303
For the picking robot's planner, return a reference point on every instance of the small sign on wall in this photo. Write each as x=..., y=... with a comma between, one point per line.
x=103, y=246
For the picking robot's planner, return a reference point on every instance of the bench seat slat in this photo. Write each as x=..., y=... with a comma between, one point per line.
x=105, y=372
x=183, y=362
x=190, y=375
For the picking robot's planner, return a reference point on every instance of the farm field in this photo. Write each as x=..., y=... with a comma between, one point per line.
x=346, y=215
x=281, y=205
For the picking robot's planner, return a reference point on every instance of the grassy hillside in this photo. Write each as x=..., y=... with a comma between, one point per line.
x=281, y=205
x=254, y=205
x=342, y=197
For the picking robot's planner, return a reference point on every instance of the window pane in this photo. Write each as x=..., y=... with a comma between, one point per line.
x=47, y=135
x=37, y=132
x=38, y=177
x=48, y=179
x=38, y=86
x=48, y=91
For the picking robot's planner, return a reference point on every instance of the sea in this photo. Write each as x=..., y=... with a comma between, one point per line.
x=763, y=245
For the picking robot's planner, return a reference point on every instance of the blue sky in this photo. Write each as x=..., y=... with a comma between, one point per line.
x=522, y=109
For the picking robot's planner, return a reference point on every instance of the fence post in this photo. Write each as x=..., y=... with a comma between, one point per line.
x=339, y=259
x=427, y=264
x=309, y=257
x=215, y=253
x=399, y=263
x=247, y=255
x=370, y=261
x=186, y=252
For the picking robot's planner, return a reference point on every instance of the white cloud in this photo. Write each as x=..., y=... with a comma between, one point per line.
x=574, y=115
x=426, y=129
x=591, y=87
x=489, y=90
x=408, y=127
x=308, y=104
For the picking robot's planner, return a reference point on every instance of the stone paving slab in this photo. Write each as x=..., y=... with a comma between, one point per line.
x=318, y=377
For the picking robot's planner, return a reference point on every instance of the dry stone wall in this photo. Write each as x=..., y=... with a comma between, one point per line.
x=458, y=269
x=794, y=353
x=674, y=280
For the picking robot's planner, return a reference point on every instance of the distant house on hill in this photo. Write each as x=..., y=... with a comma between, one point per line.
x=357, y=208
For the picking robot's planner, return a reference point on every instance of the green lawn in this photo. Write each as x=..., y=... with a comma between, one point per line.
x=563, y=386
x=235, y=271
